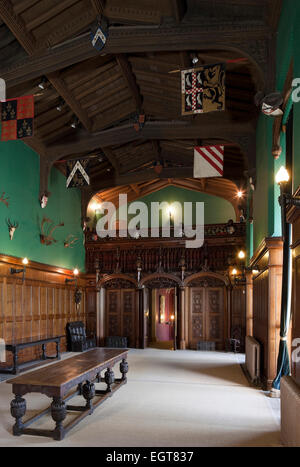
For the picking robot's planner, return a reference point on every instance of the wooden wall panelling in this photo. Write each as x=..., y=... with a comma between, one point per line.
x=294, y=219
x=267, y=304
x=238, y=315
x=41, y=305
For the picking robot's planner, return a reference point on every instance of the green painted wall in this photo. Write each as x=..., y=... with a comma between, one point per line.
x=266, y=207
x=216, y=210
x=19, y=178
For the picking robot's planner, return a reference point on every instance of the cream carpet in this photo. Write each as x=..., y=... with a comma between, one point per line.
x=182, y=398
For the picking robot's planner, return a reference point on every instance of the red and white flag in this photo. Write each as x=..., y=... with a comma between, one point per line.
x=208, y=161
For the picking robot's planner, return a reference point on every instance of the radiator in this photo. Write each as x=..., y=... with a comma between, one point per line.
x=290, y=412
x=253, y=359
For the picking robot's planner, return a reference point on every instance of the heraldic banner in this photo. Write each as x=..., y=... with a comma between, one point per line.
x=77, y=175
x=17, y=118
x=203, y=89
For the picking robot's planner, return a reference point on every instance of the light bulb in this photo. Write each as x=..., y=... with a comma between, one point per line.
x=25, y=261
x=242, y=254
x=234, y=272
x=282, y=176
x=75, y=272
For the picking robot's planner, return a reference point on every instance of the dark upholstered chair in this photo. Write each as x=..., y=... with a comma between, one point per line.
x=77, y=339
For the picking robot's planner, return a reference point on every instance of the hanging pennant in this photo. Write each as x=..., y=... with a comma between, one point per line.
x=99, y=34
x=17, y=118
x=208, y=161
x=203, y=89
x=77, y=175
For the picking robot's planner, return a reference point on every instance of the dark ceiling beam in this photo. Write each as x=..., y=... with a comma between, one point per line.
x=98, y=6
x=109, y=154
x=218, y=126
x=179, y=9
x=17, y=26
x=132, y=39
x=129, y=77
x=58, y=83
x=25, y=38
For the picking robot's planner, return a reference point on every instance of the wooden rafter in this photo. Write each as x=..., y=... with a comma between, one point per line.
x=25, y=38
x=129, y=77
x=216, y=127
x=131, y=39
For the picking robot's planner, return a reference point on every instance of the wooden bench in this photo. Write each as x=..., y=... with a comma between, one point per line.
x=57, y=380
x=23, y=343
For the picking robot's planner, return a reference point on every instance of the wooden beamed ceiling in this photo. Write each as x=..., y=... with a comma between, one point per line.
x=137, y=72
x=141, y=189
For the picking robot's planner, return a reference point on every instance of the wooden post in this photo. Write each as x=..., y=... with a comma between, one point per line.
x=249, y=303
x=182, y=344
x=141, y=319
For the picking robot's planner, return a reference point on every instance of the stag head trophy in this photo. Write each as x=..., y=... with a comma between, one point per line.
x=12, y=227
x=47, y=229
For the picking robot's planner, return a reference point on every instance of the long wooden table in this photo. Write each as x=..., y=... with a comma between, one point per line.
x=57, y=380
x=16, y=345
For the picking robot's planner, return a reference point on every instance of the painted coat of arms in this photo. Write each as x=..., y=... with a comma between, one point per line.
x=203, y=89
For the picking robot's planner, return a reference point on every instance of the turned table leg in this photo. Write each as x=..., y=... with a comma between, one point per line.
x=15, y=360
x=18, y=410
x=109, y=378
x=88, y=392
x=124, y=369
x=58, y=412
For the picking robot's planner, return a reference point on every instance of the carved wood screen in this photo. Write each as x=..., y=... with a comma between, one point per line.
x=207, y=312
x=121, y=314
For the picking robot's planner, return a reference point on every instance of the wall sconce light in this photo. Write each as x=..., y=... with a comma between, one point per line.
x=172, y=317
x=69, y=281
x=255, y=271
x=18, y=271
x=234, y=272
x=241, y=254
x=285, y=199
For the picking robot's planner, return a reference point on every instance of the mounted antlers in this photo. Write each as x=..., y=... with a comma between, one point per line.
x=70, y=241
x=12, y=227
x=4, y=200
x=47, y=238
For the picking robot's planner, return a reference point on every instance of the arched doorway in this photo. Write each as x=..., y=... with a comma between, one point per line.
x=206, y=310
x=118, y=308
x=160, y=293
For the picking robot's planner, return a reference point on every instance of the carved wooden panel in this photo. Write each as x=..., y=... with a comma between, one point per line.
x=215, y=314
x=260, y=314
x=206, y=317
x=121, y=314
x=296, y=316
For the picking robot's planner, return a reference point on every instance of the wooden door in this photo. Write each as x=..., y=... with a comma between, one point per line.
x=121, y=314
x=207, y=311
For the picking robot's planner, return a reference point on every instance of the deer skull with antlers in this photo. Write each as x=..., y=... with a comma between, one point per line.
x=12, y=227
x=47, y=238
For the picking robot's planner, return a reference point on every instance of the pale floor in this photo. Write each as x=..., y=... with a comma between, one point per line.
x=182, y=398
